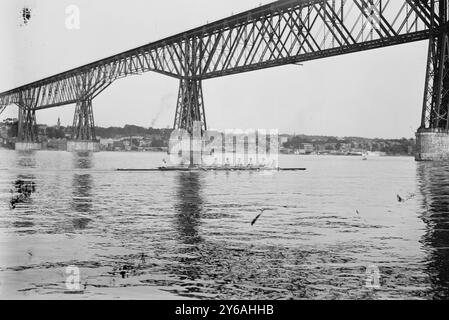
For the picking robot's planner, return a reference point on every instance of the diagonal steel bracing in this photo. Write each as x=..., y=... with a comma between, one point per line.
x=280, y=33
x=83, y=122
x=190, y=106
x=435, y=114
x=27, y=131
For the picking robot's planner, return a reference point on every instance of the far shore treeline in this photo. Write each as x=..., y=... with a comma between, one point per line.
x=289, y=143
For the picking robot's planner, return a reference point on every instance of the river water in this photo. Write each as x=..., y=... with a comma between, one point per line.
x=335, y=231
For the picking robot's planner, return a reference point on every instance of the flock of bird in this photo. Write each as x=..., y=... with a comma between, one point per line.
x=399, y=198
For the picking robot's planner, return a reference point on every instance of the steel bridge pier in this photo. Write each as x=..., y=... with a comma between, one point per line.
x=432, y=138
x=190, y=119
x=27, y=137
x=83, y=129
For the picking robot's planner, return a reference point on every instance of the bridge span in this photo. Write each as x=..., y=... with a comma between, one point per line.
x=276, y=34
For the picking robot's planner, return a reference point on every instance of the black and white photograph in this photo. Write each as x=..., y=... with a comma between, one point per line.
x=194, y=151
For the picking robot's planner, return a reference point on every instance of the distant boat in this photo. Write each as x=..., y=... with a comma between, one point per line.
x=375, y=153
x=355, y=153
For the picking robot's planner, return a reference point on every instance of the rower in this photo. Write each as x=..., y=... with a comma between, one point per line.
x=239, y=163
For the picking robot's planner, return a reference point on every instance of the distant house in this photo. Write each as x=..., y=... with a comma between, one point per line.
x=330, y=146
x=42, y=129
x=106, y=142
x=283, y=139
x=118, y=145
x=345, y=147
x=308, y=148
x=155, y=137
x=4, y=131
x=9, y=121
x=320, y=148
x=56, y=144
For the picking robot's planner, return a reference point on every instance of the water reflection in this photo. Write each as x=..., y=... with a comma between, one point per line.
x=206, y=267
x=26, y=160
x=433, y=179
x=189, y=207
x=82, y=160
x=82, y=202
x=23, y=188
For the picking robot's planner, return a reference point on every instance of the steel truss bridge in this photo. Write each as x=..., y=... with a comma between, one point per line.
x=280, y=33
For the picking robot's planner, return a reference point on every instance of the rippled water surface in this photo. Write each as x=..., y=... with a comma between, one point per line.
x=178, y=235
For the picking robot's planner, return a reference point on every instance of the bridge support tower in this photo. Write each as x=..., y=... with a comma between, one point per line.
x=83, y=129
x=432, y=138
x=27, y=137
x=190, y=118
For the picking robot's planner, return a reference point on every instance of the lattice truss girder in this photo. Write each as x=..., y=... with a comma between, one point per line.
x=89, y=82
x=280, y=33
x=190, y=105
x=312, y=30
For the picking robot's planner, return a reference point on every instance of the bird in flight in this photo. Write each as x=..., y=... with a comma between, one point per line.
x=409, y=197
x=257, y=217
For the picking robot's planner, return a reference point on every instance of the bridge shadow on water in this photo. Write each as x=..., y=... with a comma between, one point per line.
x=22, y=198
x=205, y=266
x=82, y=198
x=22, y=189
x=26, y=160
x=433, y=182
x=189, y=207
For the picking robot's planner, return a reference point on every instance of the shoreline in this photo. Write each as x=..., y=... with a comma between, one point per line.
x=283, y=154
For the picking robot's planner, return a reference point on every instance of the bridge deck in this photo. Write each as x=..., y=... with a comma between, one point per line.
x=279, y=33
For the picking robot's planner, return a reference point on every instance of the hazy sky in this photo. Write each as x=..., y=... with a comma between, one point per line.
x=373, y=94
